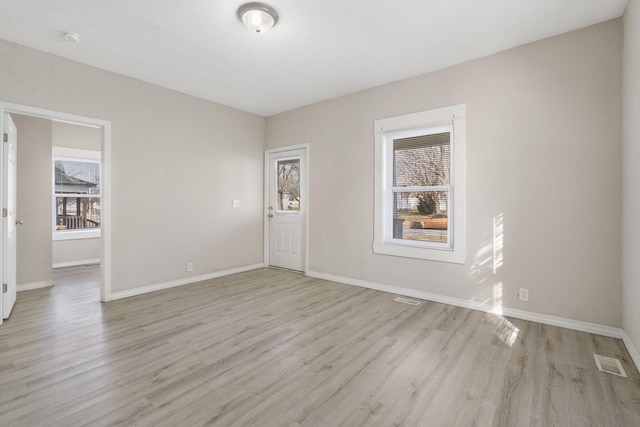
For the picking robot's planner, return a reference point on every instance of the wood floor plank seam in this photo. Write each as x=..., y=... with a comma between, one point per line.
x=274, y=348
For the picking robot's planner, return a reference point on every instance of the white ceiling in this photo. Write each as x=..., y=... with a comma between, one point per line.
x=319, y=49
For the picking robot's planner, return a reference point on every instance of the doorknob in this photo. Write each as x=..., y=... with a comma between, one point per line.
x=19, y=222
x=270, y=215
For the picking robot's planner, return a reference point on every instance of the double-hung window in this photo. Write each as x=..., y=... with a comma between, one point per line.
x=76, y=193
x=420, y=185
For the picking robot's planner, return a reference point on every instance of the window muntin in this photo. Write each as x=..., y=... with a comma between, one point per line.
x=405, y=147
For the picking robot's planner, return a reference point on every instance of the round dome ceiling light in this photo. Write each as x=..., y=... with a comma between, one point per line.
x=257, y=17
x=71, y=36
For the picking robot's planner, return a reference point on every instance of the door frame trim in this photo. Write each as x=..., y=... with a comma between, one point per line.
x=105, y=126
x=5, y=224
x=304, y=189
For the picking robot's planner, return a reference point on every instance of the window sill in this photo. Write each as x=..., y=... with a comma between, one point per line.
x=76, y=234
x=456, y=257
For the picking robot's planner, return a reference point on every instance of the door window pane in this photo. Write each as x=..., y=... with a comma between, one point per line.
x=288, y=185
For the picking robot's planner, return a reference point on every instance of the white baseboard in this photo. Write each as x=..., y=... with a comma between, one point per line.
x=34, y=285
x=632, y=349
x=562, y=322
x=89, y=261
x=180, y=282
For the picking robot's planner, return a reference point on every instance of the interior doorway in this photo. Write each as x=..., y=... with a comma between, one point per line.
x=286, y=207
x=104, y=130
x=75, y=171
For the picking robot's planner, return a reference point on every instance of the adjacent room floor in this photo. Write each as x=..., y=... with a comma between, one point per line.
x=274, y=348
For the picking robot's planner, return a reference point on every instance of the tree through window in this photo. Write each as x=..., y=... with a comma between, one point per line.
x=289, y=185
x=421, y=180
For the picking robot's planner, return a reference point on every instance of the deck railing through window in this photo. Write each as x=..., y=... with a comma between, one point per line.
x=73, y=222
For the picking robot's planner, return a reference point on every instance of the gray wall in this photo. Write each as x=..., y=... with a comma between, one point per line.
x=76, y=252
x=543, y=153
x=631, y=150
x=86, y=138
x=33, y=200
x=74, y=136
x=178, y=161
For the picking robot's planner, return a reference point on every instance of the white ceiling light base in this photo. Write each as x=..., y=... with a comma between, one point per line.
x=258, y=17
x=71, y=36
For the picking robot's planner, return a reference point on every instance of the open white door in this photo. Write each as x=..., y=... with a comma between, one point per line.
x=10, y=145
x=286, y=209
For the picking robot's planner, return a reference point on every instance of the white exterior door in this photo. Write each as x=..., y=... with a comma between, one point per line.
x=286, y=208
x=9, y=158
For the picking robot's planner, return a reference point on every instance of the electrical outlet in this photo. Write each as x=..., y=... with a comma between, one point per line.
x=189, y=267
x=235, y=203
x=523, y=294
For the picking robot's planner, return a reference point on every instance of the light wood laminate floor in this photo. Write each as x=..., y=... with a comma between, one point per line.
x=275, y=348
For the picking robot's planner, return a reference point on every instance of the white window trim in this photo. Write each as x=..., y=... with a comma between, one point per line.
x=72, y=154
x=455, y=115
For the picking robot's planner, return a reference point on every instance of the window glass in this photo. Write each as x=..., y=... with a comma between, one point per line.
x=421, y=178
x=77, y=213
x=76, y=176
x=289, y=185
x=423, y=160
x=421, y=216
x=77, y=194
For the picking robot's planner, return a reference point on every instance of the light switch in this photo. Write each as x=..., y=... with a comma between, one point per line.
x=235, y=203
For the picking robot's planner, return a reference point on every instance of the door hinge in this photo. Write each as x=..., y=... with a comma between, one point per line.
x=5, y=137
x=5, y=288
x=4, y=212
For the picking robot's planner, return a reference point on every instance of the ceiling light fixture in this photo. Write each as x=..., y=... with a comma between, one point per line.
x=257, y=17
x=71, y=36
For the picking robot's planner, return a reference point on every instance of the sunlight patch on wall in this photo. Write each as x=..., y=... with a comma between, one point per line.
x=485, y=269
x=488, y=260
x=498, y=242
x=497, y=298
x=481, y=264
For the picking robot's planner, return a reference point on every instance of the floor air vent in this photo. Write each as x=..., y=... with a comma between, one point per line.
x=406, y=301
x=609, y=365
